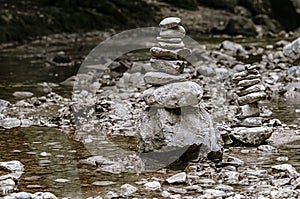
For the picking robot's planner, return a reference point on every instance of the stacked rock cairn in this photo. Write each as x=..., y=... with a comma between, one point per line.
x=248, y=126
x=169, y=67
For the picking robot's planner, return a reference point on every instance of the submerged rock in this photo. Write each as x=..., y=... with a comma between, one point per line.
x=9, y=123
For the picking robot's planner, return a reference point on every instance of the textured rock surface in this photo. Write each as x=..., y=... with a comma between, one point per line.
x=160, y=78
x=174, y=95
x=165, y=130
x=173, y=67
x=253, y=136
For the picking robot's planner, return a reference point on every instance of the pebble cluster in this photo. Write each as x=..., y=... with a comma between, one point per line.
x=169, y=86
x=249, y=92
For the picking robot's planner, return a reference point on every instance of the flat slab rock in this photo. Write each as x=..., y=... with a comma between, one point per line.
x=170, y=22
x=252, y=136
x=184, y=132
x=160, y=78
x=174, y=95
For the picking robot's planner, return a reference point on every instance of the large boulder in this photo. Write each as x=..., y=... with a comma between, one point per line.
x=184, y=133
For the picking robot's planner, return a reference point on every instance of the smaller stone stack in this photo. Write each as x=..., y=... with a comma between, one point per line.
x=249, y=127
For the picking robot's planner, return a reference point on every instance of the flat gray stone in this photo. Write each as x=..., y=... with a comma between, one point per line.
x=170, y=22
x=248, y=110
x=23, y=94
x=160, y=78
x=250, y=82
x=176, y=32
x=251, y=98
x=244, y=75
x=252, y=136
x=173, y=67
x=174, y=95
x=251, y=89
x=251, y=122
x=161, y=52
x=169, y=40
x=128, y=189
x=177, y=178
x=171, y=46
x=3, y=105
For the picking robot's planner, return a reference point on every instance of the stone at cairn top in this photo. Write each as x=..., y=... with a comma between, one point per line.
x=170, y=22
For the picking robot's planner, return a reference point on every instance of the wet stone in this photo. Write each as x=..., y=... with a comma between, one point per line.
x=22, y=94
x=160, y=78
x=267, y=148
x=152, y=186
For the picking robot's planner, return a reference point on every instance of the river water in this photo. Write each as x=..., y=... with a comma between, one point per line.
x=52, y=158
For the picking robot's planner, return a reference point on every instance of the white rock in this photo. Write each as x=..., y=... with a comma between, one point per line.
x=9, y=123
x=171, y=46
x=160, y=78
x=128, y=189
x=48, y=195
x=177, y=32
x=169, y=40
x=173, y=67
x=213, y=193
x=152, y=186
x=23, y=94
x=292, y=50
x=177, y=178
x=170, y=22
x=173, y=54
x=174, y=95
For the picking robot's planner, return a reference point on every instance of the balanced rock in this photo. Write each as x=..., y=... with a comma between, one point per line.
x=248, y=110
x=171, y=46
x=176, y=32
x=174, y=67
x=251, y=89
x=250, y=98
x=169, y=40
x=246, y=82
x=169, y=22
x=160, y=78
x=174, y=95
x=251, y=122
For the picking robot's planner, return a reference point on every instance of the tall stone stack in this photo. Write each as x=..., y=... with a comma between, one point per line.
x=248, y=126
x=175, y=120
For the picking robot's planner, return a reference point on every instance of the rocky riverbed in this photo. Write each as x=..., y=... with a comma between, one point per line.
x=87, y=142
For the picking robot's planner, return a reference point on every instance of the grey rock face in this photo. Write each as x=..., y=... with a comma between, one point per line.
x=251, y=98
x=174, y=95
x=167, y=130
x=248, y=110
